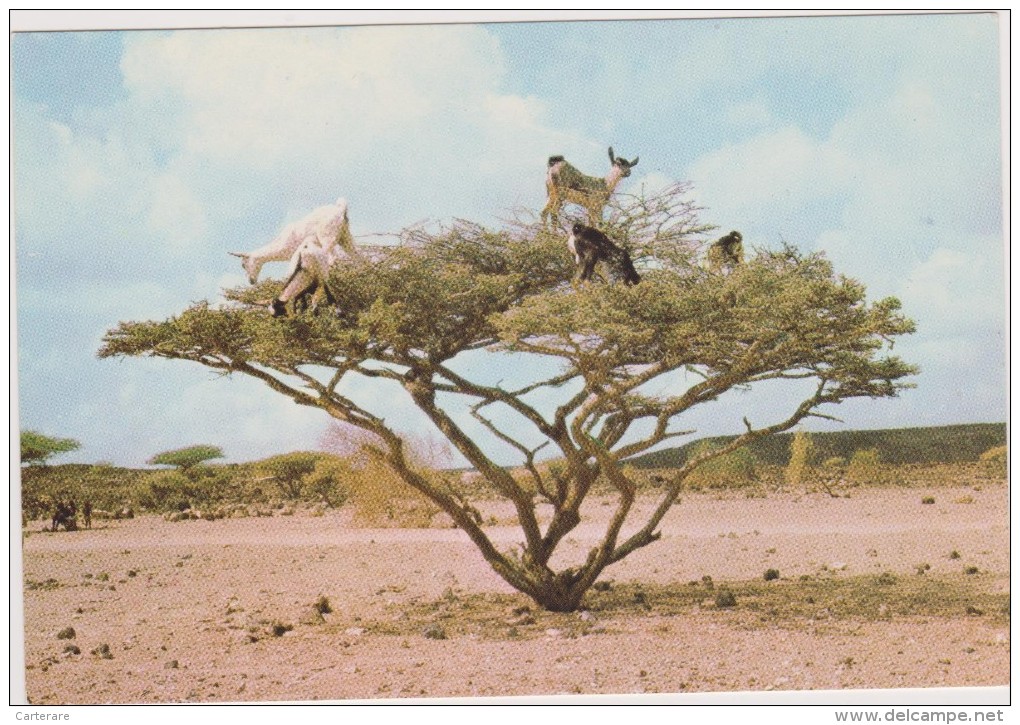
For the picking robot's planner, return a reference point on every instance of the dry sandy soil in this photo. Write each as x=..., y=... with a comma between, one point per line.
x=878, y=590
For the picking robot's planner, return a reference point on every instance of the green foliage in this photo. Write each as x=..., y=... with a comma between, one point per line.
x=940, y=444
x=801, y=458
x=290, y=469
x=405, y=314
x=185, y=458
x=326, y=482
x=736, y=469
x=38, y=448
x=170, y=491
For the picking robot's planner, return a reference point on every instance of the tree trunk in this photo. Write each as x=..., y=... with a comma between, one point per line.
x=556, y=599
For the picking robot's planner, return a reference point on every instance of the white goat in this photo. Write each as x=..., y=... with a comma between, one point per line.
x=565, y=183
x=308, y=275
x=327, y=227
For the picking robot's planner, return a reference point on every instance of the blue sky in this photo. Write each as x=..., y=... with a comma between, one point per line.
x=142, y=158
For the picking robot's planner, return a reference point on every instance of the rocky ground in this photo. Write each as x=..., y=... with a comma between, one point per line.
x=878, y=590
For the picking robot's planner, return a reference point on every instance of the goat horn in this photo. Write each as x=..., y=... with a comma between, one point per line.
x=634, y=162
x=612, y=159
x=238, y=254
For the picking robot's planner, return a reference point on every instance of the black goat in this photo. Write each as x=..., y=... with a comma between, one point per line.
x=590, y=246
x=727, y=251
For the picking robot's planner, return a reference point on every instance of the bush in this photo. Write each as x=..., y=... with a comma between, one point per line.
x=290, y=471
x=801, y=454
x=169, y=491
x=733, y=470
x=725, y=599
x=382, y=499
x=865, y=468
x=326, y=482
x=835, y=464
x=994, y=461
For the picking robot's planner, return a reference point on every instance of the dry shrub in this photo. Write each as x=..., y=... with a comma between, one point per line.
x=994, y=461
x=801, y=455
x=865, y=468
x=381, y=498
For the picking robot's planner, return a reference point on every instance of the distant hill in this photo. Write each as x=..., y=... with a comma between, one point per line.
x=944, y=444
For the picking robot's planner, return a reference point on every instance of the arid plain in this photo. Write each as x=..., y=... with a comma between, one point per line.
x=881, y=589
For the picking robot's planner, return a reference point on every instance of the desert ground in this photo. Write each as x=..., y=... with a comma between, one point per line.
x=878, y=590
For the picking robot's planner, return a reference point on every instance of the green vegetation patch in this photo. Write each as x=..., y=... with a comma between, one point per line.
x=894, y=446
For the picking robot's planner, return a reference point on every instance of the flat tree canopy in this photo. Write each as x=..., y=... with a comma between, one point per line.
x=629, y=362
x=38, y=448
x=185, y=458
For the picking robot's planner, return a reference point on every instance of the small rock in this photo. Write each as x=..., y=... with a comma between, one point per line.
x=313, y=617
x=354, y=631
x=66, y=633
x=103, y=652
x=586, y=616
x=434, y=632
x=72, y=649
x=553, y=632
x=278, y=629
x=171, y=665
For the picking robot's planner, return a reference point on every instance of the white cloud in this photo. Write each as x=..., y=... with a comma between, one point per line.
x=957, y=291
x=254, y=97
x=765, y=184
x=175, y=212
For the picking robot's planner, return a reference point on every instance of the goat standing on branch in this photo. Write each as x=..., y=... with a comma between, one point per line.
x=726, y=252
x=565, y=183
x=327, y=226
x=590, y=246
x=309, y=275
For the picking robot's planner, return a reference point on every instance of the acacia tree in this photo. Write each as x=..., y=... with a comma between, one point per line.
x=418, y=316
x=38, y=448
x=187, y=458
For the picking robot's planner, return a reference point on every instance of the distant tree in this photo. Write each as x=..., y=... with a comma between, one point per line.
x=604, y=372
x=37, y=448
x=290, y=469
x=186, y=458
